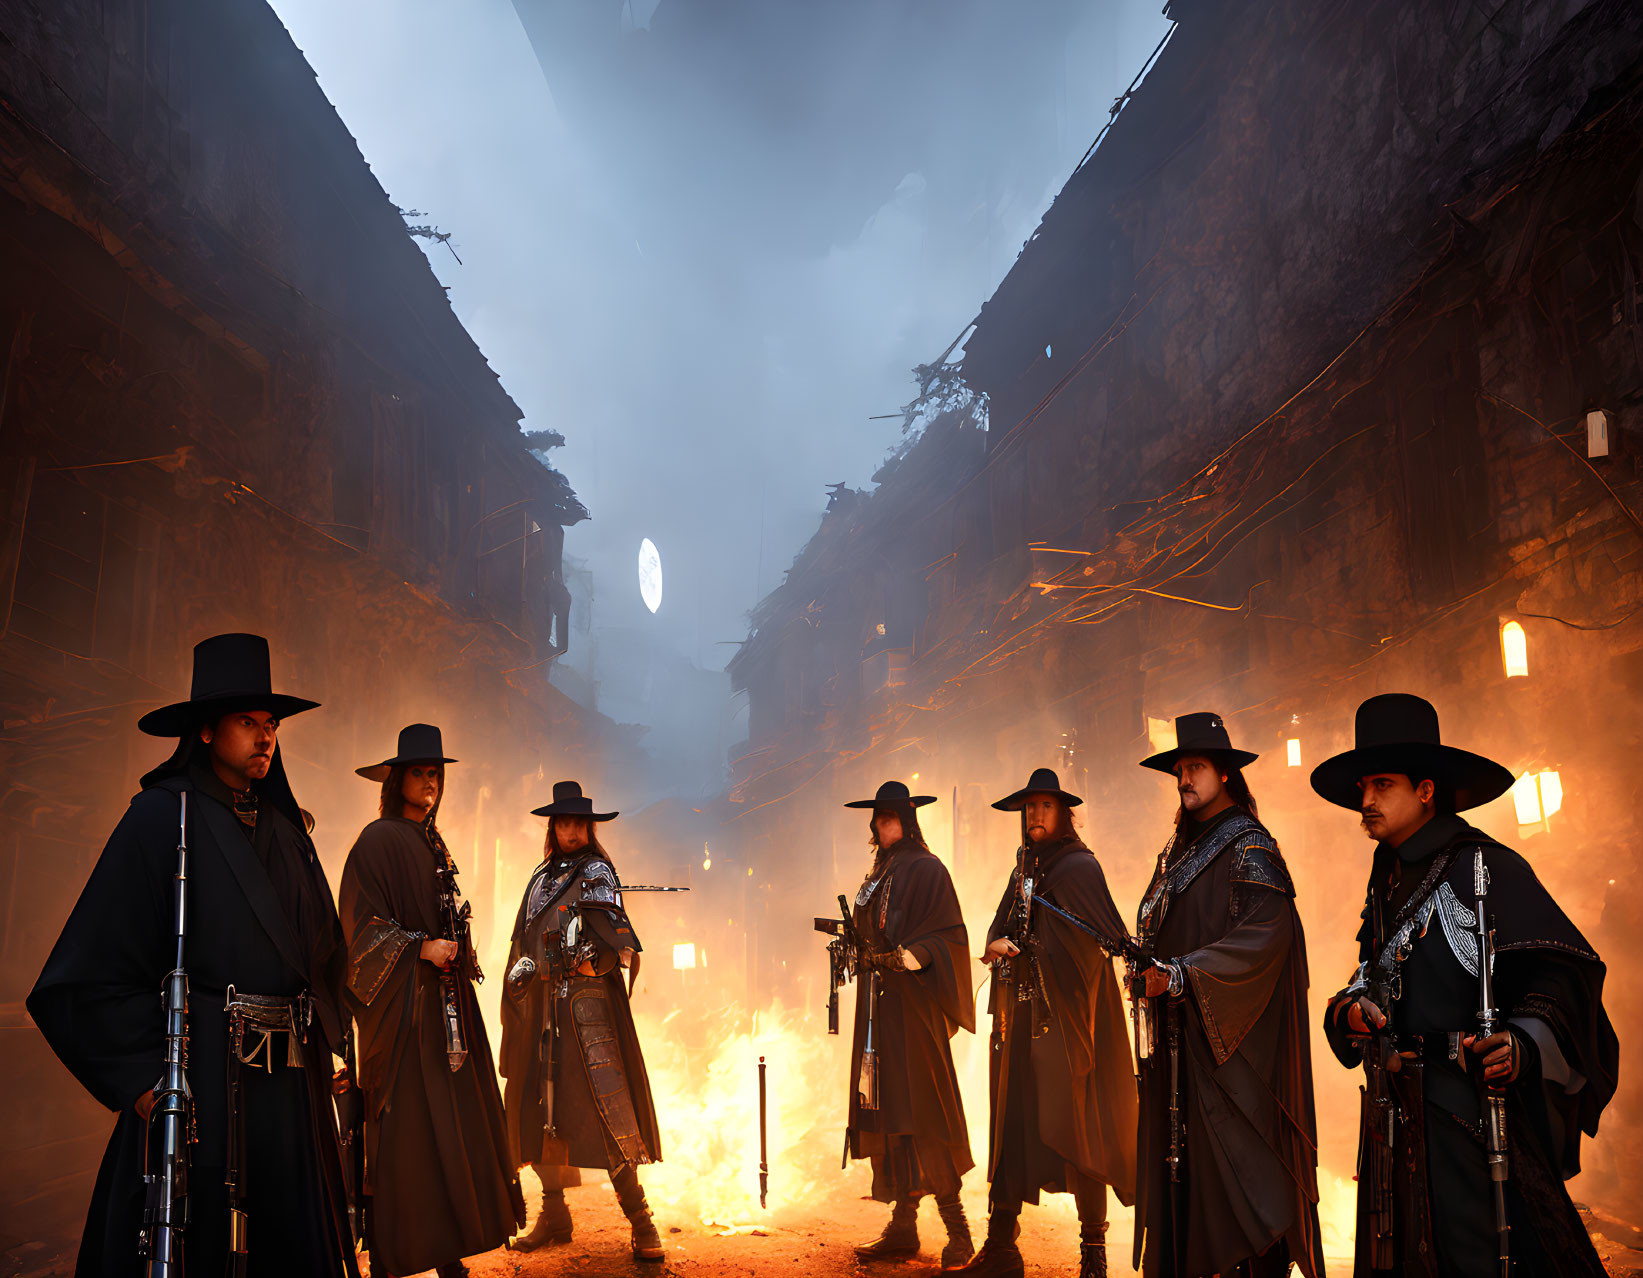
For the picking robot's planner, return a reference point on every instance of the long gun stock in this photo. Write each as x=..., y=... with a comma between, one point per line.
x=1494, y=1098
x=171, y=1120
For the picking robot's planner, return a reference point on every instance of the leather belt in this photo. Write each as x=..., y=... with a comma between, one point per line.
x=259, y=1017
x=1433, y=1048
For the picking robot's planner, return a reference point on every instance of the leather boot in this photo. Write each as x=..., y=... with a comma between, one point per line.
x=552, y=1226
x=900, y=1236
x=647, y=1242
x=959, y=1248
x=999, y=1257
x=1092, y=1260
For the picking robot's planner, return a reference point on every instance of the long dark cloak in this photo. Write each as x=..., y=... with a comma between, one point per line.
x=1549, y=982
x=581, y=1139
x=1250, y=1170
x=437, y=1164
x=261, y=918
x=1082, y=1080
x=914, y=905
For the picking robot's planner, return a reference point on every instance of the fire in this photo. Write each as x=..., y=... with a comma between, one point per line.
x=704, y=1078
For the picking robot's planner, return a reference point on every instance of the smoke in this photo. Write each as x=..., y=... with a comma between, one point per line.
x=707, y=242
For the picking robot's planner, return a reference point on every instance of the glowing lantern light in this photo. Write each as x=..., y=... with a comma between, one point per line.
x=650, y=574
x=684, y=956
x=1551, y=793
x=1537, y=796
x=1514, y=650
x=1292, y=748
x=1597, y=433
x=707, y=858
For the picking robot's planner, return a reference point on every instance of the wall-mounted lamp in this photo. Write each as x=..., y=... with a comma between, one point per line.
x=1597, y=433
x=1514, y=650
x=1537, y=796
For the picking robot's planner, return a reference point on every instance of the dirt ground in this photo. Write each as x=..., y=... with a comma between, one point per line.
x=819, y=1242
x=793, y=1241
x=800, y=1240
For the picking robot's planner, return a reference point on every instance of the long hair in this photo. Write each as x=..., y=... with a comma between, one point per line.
x=1237, y=790
x=392, y=802
x=550, y=845
x=1066, y=822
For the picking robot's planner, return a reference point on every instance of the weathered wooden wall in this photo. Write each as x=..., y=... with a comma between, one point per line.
x=1286, y=408
x=234, y=396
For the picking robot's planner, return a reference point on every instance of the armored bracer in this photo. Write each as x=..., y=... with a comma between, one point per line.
x=373, y=954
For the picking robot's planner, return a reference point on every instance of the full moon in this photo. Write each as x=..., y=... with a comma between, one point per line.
x=650, y=574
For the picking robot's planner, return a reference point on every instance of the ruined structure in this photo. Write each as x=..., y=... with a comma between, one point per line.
x=1324, y=366
x=234, y=396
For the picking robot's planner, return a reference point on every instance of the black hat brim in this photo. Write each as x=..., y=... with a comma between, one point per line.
x=1015, y=802
x=553, y=810
x=1165, y=760
x=916, y=800
x=182, y=717
x=380, y=771
x=1474, y=779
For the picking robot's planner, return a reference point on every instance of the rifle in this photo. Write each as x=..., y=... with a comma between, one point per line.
x=171, y=1119
x=1137, y=955
x=845, y=953
x=1380, y=1110
x=454, y=922
x=1494, y=1098
x=351, y=1116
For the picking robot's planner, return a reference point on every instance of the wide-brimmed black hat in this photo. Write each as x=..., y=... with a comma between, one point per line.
x=418, y=743
x=1042, y=781
x=893, y=795
x=231, y=672
x=568, y=800
x=1203, y=733
x=1398, y=732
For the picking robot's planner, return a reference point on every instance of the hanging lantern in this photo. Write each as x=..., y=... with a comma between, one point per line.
x=1514, y=650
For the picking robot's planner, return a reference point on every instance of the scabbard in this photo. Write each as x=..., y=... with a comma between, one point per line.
x=1416, y=1252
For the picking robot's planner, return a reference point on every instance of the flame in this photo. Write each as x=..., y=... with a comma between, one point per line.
x=703, y=1067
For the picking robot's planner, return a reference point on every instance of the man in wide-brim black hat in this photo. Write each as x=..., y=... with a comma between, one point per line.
x=1410, y=1016
x=441, y=1181
x=915, y=994
x=1231, y=1054
x=1062, y=1111
x=578, y=1094
x=260, y=922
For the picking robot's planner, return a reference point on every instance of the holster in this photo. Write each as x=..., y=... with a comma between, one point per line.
x=1415, y=1247
x=253, y=1020
x=595, y=1025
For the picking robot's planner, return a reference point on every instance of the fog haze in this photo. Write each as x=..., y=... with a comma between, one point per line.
x=707, y=240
